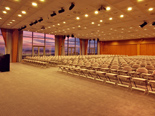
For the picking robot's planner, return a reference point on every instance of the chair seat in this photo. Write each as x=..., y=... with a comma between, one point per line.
x=152, y=81
x=124, y=76
x=100, y=72
x=139, y=79
x=111, y=74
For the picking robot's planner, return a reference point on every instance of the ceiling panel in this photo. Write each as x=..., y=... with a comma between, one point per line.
x=115, y=29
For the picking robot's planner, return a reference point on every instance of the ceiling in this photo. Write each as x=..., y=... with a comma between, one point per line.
x=107, y=30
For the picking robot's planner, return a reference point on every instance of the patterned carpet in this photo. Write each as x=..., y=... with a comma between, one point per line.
x=33, y=91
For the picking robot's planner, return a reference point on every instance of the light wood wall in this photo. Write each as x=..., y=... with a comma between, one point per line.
x=129, y=47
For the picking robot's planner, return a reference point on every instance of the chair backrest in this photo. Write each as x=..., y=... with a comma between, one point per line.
x=143, y=64
x=149, y=67
x=88, y=64
x=104, y=66
x=142, y=70
x=95, y=65
x=153, y=72
x=135, y=65
x=124, y=64
x=114, y=67
x=127, y=68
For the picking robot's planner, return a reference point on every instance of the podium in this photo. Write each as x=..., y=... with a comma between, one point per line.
x=5, y=63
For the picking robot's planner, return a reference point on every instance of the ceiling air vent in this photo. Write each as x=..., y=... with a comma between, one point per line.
x=152, y=14
x=76, y=12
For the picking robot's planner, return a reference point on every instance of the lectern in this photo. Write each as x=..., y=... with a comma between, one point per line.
x=5, y=63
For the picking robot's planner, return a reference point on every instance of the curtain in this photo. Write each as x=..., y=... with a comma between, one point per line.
x=85, y=46
x=81, y=46
x=15, y=38
x=4, y=35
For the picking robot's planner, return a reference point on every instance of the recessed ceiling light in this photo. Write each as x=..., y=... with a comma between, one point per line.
x=19, y=15
x=101, y=20
x=17, y=0
x=92, y=22
x=108, y=8
x=7, y=8
x=49, y=27
x=13, y=20
x=73, y=27
x=78, y=18
x=58, y=24
x=0, y=17
x=64, y=22
x=85, y=27
x=129, y=8
x=10, y=22
x=86, y=15
x=140, y=0
x=121, y=16
x=53, y=25
x=79, y=26
x=42, y=0
x=96, y=12
x=23, y=12
x=99, y=25
x=4, y=12
x=150, y=9
x=110, y=18
x=34, y=4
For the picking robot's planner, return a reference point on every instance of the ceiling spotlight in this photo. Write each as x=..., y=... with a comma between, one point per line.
x=35, y=22
x=72, y=35
x=153, y=23
x=72, y=6
x=41, y=19
x=62, y=10
x=142, y=25
x=101, y=8
x=19, y=29
x=43, y=27
x=53, y=14
x=23, y=27
x=31, y=24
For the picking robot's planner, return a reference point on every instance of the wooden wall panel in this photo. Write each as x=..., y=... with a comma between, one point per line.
x=133, y=49
x=147, y=49
x=129, y=47
x=120, y=49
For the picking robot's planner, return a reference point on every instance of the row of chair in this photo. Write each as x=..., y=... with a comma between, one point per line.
x=104, y=69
